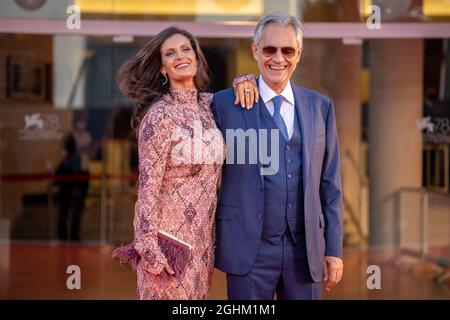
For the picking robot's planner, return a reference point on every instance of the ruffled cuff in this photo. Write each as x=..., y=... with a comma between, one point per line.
x=127, y=254
x=243, y=77
x=150, y=261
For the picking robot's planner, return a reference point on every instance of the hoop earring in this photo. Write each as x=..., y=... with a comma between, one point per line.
x=165, y=79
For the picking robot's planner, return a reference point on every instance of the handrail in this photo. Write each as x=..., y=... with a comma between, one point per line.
x=355, y=221
x=425, y=194
x=362, y=175
x=422, y=190
x=413, y=189
x=364, y=180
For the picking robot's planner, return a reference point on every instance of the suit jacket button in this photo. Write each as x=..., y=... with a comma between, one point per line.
x=261, y=188
x=260, y=215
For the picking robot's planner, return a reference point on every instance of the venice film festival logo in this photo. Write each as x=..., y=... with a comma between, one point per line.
x=38, y=126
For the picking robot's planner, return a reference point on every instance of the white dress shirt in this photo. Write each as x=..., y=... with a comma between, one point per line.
x=287, y=110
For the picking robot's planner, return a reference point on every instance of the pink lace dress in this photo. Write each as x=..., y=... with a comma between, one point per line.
x=181, y=152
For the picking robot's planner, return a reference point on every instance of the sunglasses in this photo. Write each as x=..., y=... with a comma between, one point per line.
x=287, y=52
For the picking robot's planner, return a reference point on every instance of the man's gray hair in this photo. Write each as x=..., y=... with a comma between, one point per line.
x=281, y=19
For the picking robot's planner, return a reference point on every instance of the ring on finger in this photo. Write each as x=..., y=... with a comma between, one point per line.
x=247, y=90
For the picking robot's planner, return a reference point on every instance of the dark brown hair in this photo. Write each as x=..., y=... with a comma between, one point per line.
x=140, y=78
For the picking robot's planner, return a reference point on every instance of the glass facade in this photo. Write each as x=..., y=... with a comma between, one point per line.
x=232, y=10
x=52, y=85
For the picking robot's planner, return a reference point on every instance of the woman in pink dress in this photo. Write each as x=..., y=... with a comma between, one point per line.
x=181, y=152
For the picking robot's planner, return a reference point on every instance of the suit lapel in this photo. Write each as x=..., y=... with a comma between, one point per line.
x=252, y=121
x=305, y=116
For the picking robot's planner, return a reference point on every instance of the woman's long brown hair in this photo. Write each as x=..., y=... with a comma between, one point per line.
x=140, y=78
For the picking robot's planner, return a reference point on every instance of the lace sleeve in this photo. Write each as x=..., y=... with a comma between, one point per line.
x=243, y=77
x=154, y=150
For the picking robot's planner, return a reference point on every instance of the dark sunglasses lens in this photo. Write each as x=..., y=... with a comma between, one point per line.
x=269, y=51
x=288, y=51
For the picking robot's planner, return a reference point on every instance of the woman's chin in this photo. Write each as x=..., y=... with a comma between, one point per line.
x=184, y=77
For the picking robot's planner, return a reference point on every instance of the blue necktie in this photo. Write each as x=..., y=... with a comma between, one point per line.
x=277, y=100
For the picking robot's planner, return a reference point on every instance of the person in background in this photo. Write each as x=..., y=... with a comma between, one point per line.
x=70, y=194
x=83, y=142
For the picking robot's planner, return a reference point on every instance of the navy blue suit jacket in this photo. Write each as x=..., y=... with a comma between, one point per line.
x=241, y=197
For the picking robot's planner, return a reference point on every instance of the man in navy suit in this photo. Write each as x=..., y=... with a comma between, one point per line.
x=279, y=222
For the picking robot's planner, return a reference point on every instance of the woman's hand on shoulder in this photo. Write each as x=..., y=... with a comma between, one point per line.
x=246, y=90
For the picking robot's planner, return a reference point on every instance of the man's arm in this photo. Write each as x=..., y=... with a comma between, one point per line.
x=332, y=203
x=330, y=189
x=215, y=111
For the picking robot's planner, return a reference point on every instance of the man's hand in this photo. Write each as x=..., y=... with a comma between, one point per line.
x=333, y=268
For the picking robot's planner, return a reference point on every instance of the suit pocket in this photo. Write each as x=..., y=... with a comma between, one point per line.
x=226, y=213
x=321, y=221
